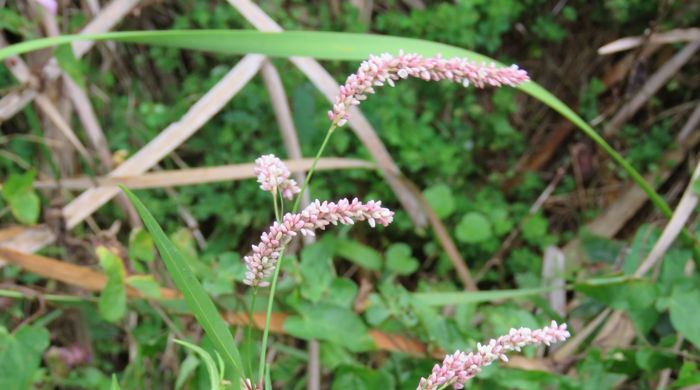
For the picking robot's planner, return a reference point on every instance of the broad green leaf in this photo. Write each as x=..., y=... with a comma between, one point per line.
x=688, y=375
x=600, y=249
x=212, y=368
x=19, y=193
x=112, y=302
x=636, y=296
x=685, y=312
x=70, y=64
x=360, y=378
x=334, y=355
x=342, y=292
x=141, y=245
x=329, y=45
x=331, y=323
x=115, y=383
x=359, y=254
x=399, y=259
x=440, y=199
x=146, y=285
x=473, y=228
x=534, y=229
x=317, y=270
x=198, y=301
x=454, y=298
x=20, y=356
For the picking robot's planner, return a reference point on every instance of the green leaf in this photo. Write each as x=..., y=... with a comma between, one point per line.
x=19, y=193
x=342, y=292
x=360, y=378
x=146, y=285
x=329, y=45
x=330, y=323
x=636, y=296
x=112, y=304
x=186, y=369
x=688, y=375
x=115, y=383
x=197, y=300
x=399, y=259
x=535, y=228
x=473, y=228
x=316, y=269
x=141, y=245
x=70, y=64
x=440, y=198
x=212, y=369
x=685, y=312
x=454, y=298
x=20, y=356
x=696, y=186
x=359, y=254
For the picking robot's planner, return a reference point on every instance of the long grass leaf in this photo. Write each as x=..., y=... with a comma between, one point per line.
x=329, y=45
x=197, y=299
x=453, y=298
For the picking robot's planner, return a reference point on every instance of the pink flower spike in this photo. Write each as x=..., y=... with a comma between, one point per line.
x=378, y=70
x=459, y=367
x=49, y=5
x=273, y=176
x=261, y=263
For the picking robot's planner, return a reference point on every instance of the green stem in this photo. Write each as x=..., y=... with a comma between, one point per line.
x=251, y=323
x=274, y=202
x=273, y=286
x=313, y=168
x=268, y=315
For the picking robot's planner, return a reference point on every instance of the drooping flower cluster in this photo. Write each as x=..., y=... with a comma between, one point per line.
x=273, y=176
x=460, y=367
x=385, y=69
x=261, y=263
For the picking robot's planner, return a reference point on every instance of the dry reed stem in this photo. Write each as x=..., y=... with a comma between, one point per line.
x=655, y=82
x=169, y=139
x=672, y=36
x=194, y=176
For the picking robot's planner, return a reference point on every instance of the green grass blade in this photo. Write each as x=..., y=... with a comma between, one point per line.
x=454, y=298
x=329, y=45
x=212, y=368
x=197, y=299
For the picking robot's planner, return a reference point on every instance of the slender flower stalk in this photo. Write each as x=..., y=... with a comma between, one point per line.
x=386, y=69
x=261, y=263
x=374, y=72
x=459, y=367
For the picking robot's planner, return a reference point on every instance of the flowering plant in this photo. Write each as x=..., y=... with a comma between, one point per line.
x=273, y=176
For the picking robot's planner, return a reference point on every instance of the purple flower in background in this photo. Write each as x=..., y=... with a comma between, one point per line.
x=50, y=6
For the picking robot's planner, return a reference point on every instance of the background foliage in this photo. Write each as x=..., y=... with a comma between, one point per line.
x=464, y=149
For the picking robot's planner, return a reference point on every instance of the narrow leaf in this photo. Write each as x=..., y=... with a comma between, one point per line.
x=197, y=300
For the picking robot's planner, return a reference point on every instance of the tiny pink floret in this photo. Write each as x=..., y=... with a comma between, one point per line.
x=273, y=176
x=386, y=69
x=459, y=367
x=261, y=263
